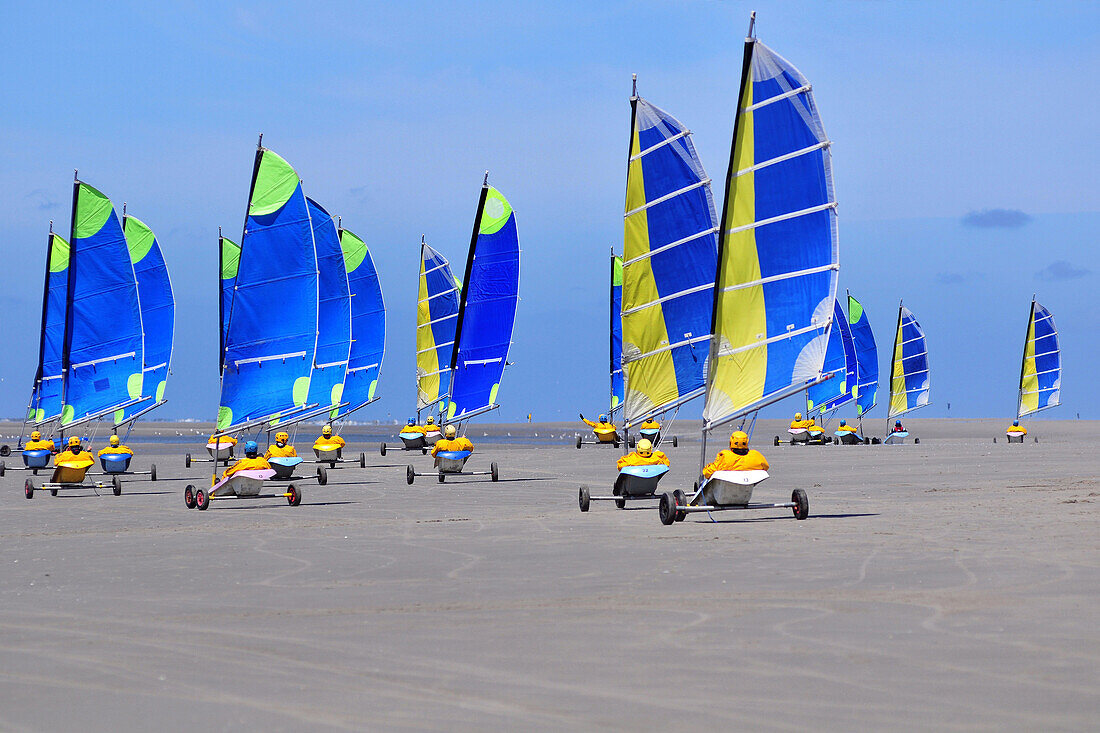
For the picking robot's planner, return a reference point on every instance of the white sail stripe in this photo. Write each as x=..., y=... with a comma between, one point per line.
x=670, y=245
x=437, y=371
x=782, y=217
x=154, y=368
x=916, y=389
x=670, y=347
x=330, y=364
x=778, y=98
x=784, y=276
x=437, y=267
x=437, y=320
x=667, y=196
x=56, y=376
x=773, y=339
x=1040, y=391
x=93, y=362
x=905, y=375
x=781, y=158
x=915, y=338
x=674, y=296
x=476, y=362
x=437, y=346
x=1045, y=353
x=444, y=292
x=661, y=144
x=261, y=359
x=1048, y=371
x=359, y=369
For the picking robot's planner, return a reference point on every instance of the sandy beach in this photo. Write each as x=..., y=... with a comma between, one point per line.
x=952, y=584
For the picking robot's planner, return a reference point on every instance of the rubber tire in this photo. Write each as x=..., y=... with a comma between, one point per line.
x=187, y=461
x=665, y=511
x=994, y=441
x=53, y=492
x=362, y=460
x=152, y=472
x=681, y=500
x=633, y=442
x=5, y=451
x=410, y=475
x=3, y=468
x=802, y=504
x=189, y=496
x=382, y=449
x=28, y=489
x=493, y=471
x=202, y=500
x=423, y=451
x=322, y=476
x=580, y=442
x=226, y=463
x=776, y=444
x=675, y=442
x=584, y=498
x=34, y=471
x=295, y=498
x=619, y=503
x=616, y=444
x=916, y=441
x=440, y=477
x=116, y=486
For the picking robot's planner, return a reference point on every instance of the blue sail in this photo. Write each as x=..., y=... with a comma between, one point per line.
x=229, y=258
x=487, y=313
x=909, y=385
x=330, y=363
x=103, y=339
x=618, y=388
x=436, y=318
x=1041, y=370
x=865, y=386
x=271, y=335
x=46, y=396
x=368, y=322
x=158, y=314
x=840, y=361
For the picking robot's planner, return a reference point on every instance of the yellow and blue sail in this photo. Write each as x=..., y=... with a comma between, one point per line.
x=669, y=259
x=103, y=352
x=330, y=360
x=229, y=258
x=487, y=312
x=271, y=334
x=840, y=362
x=158, y=314
x=778, y=254
x=436, y=318
x=865, y=386
x=909, y=385
x=617, y=386
x=1041, y=371
x=368, y=322
x=45, y=401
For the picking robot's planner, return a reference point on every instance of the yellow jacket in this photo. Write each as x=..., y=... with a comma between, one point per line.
x=802, y=424
x=636, y=459
x=414, y=429
x=287, y=451
x=39, y=445
x=601, y=427
x=846, y=429
x=247, y=464
x=68, y=459
x=1016, y=429
x=115, y=450
x=223, y=439
x=459, y=443
x=324, y=443
x=727, y=460
x=651, y=425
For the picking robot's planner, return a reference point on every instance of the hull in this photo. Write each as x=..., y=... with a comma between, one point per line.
x=242, y=483
x=732, y=488
x=451, y=461
x=117, y=463
x=639, y=480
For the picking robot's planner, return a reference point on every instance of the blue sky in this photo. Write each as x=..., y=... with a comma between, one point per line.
x=392, y=112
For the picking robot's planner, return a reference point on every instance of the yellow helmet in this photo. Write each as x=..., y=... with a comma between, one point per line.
x=450, y=431
x=798, y=416
x=74, y=441
x=326, y=431
x=114, y=441
x=36, y=435
x=431, y=420
x=645, y=448
x=739, y=440
x=281, y=437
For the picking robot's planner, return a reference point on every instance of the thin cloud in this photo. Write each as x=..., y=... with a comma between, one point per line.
x=1061, y=270
x=996, y=219
x=957, y=278
x=41, y=199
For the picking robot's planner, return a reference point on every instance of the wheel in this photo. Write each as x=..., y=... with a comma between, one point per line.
x=202, y=500
x=225, y=462
x=633, y=441
x=28, y=489
x=5, y=451
x=580, y=442
x=493, y=471
x=53, y=492
x=666, y=510
x=776, y=444
x=867, y=441
x=916, y=441
x=801, y=506
x=382, y=449
x=187, y=461
x=440, y=477
x=423, y=451
x=362, y=460
x=1036, y=440
x=994, y=441
x=295, y=497
x=619, y=503
x=615, y=443
x=876, y=441
x=681, y=500
x=2, y=468
x=675, y=442
x=322, y=475
x=410, y=475
x=116, y=486
x=152, y=472
x=34, y=471
x=189, y=496
x=584, y=498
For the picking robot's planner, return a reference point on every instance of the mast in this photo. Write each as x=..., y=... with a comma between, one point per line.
x=611, y=325
x=69, y=297
x=1028, y=336
x=894, y=366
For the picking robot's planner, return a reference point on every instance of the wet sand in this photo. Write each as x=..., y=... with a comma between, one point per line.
x=952, y=584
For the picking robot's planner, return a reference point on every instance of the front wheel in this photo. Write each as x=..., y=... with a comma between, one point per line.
x=410, y=475
x=633, y=441
x=493, y=471
x=584, y=498
x=675, y=442
x=116, y=486
x=294, y=495
x=189, y=496
x=801, y=506
x=202, y=500
x=666, y=509
x=28, y=489
x=580, y=442
x=322, y=475
x=5, y=451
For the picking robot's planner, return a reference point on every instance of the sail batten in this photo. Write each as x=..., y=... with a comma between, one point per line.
x=1041, y=367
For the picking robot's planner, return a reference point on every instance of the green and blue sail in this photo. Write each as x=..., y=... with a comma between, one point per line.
x=865, y=387
x=368, y=322
x=618, y=388
x=45, y=402
x=487, y=311
x=330, y=361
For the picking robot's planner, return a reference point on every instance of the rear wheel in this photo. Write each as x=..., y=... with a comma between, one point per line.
x=493, y=471
x=28, y=489
x=633, y=441
x=382, y=449
x=202, y=500
x=322, y=475
x=423, y=451
x=187, y=461
x=580, y=442
x=152, y=472
x=362, y=460
x=619, y=503
x=294, y=497
x=675, y=442
x=53, y=492
x=189, y=496
x=410, y=475
x=680, y=499
x=801, y=506
x=440, y=477
x=916, y=441
x=2, y=468
x=116, y=486
x=666, y=510
x=584, y=498
x=776, y=443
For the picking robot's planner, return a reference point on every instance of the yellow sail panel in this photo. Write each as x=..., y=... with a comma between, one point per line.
x=1029, y=379
x=898, y=395
x=436, y=319
x=427, y=362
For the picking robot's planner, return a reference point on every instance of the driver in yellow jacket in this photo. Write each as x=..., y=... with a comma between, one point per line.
x=449, y=442
x=799, y=424
x=74, y=457
x=328, y=441
x=37, y=443
x=252, y=461
x=605, y=430
x=115, y=448
x=643, y=455
x=1016, y=427
x=845, y=427
x=281, y=448
x=737, y=458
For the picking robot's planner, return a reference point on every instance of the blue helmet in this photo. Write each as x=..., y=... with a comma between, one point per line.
x=251, y=447
x=897, y=423
x=843, y=422
x=603, y=418
x=1015, y=423
x=411, y=421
